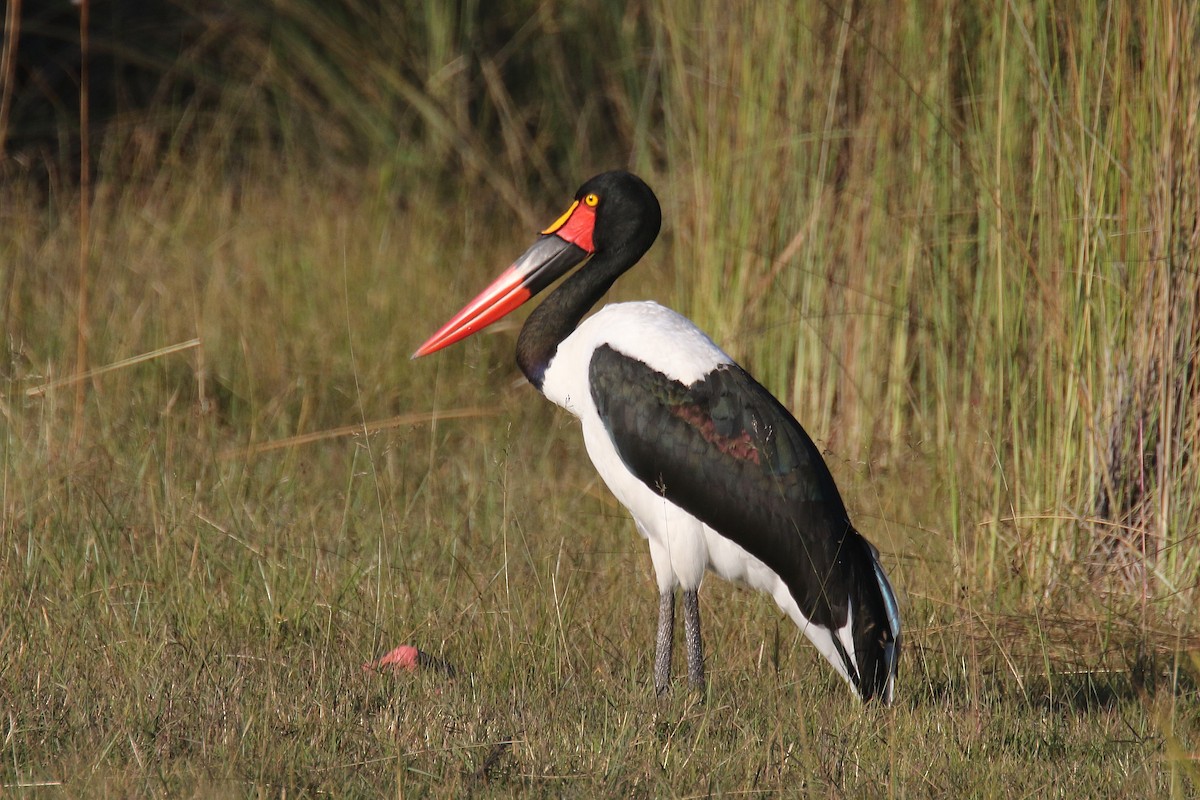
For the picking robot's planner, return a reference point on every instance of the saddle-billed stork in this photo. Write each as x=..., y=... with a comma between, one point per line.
x=715, y=471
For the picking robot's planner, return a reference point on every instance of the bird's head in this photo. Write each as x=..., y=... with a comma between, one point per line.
x=615, y=217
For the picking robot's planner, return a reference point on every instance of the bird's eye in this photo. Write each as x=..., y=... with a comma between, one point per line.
x=592, y=200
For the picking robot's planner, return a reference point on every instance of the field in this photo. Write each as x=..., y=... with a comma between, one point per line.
x=959, y=243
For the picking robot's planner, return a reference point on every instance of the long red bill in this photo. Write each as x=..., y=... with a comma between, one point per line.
x=549, y=258
x=503, y=295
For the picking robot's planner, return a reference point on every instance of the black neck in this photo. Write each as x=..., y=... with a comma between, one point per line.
x=625, y=227
x=560, y=313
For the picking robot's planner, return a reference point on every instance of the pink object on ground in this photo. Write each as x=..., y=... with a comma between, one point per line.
x=409, y=659
x=403, y=657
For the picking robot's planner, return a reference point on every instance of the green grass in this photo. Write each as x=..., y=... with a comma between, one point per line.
x=938, y=235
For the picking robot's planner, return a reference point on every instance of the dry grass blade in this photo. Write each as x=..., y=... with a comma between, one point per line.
x=38, y=391
x=416, y=418
x=8, y=63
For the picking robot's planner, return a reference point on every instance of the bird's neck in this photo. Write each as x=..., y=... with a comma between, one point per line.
x=560, y=313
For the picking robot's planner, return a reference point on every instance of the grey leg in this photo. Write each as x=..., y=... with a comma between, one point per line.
x=664, y=642
x=691, y=632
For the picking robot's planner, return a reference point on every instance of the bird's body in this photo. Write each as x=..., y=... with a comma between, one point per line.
x=714, y=470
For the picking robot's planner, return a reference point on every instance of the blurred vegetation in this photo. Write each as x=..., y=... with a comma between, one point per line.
x=959, y=240
x=967, y=228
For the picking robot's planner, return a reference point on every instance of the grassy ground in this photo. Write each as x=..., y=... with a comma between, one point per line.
x=188, y=616
x=940, y=279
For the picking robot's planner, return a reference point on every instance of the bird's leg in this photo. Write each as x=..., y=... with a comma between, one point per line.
x=691, y=632
x=664, y=642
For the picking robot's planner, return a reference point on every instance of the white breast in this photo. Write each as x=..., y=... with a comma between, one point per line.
x=662, y=339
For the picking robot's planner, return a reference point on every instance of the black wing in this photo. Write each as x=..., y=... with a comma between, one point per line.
x=726, y=451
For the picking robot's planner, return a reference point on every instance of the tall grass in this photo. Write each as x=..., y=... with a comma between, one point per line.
x=949, y=229
x=958, y=241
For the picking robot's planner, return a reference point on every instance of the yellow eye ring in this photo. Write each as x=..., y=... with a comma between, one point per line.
x=592, y=200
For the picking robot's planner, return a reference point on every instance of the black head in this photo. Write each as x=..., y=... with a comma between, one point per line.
x=614, y=220
x=628, y=216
